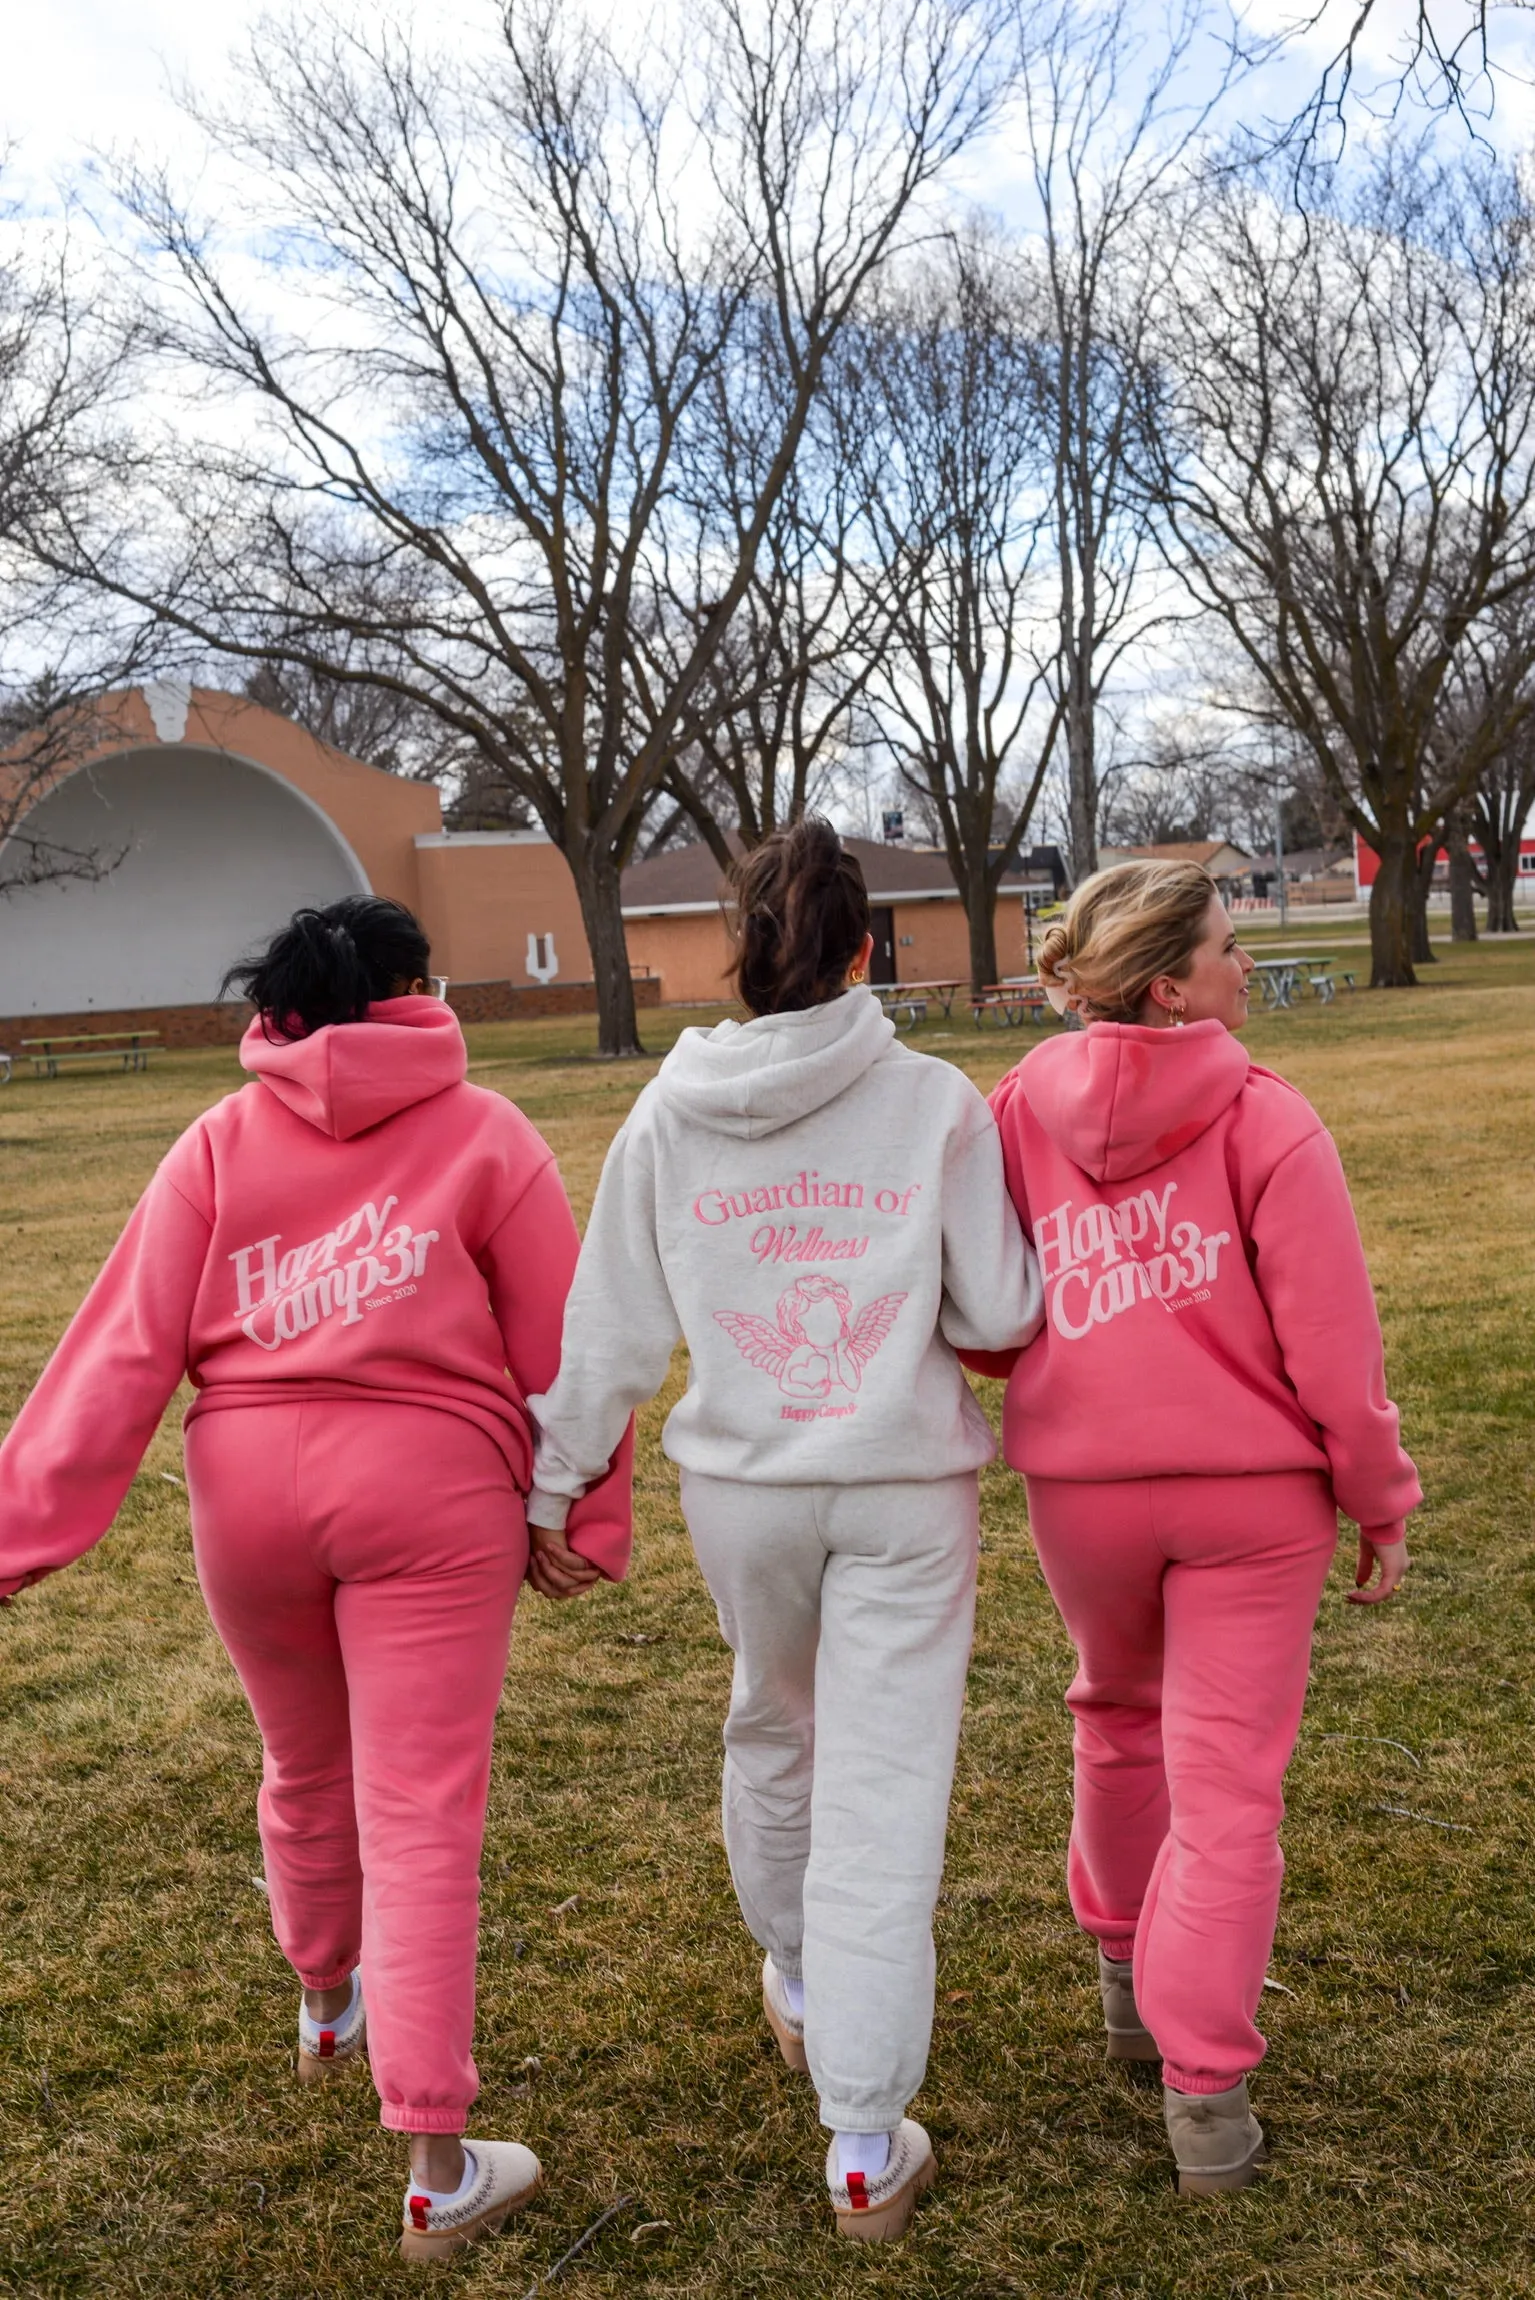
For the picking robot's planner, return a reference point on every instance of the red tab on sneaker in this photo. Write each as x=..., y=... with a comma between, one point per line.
x=420, y=2206
x=857, y=2192
x=327, y=2044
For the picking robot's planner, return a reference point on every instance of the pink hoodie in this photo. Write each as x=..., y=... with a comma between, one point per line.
x=1208, y=1309
x=360, y=1224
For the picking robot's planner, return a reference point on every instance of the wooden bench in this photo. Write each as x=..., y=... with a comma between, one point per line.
x=120, y=1049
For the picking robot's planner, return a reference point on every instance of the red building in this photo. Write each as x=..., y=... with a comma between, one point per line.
x=1367, y=863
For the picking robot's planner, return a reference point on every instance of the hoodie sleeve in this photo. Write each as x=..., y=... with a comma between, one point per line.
x=73, y=1449
x=992, y=1295
x=1310, y=1269
x=621, y=1327
x=529, y=1262
x=999, y=1363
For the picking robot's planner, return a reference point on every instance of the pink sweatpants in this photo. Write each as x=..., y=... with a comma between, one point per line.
x=361, y=1563
x=1191, y=1602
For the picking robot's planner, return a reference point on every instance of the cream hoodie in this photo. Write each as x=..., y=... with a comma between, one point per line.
x=821, y=1214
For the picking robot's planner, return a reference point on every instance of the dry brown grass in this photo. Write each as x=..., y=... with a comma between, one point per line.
x=156, y=2143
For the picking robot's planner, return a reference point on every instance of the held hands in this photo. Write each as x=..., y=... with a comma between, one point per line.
x=1393, y=1560
x=555, y=1570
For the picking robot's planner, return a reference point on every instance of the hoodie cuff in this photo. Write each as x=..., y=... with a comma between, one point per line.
x=1381, y=1536
x=550, y=1510
x=12, y=1584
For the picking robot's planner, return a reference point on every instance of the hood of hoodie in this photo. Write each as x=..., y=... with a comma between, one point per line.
x=353, y=1075
x=752, y=1078
x=1117, y=1098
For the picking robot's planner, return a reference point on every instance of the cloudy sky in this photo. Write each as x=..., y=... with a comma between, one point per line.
x=84, y=73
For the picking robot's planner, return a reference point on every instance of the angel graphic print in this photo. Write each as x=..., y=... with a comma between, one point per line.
x=820, y=1345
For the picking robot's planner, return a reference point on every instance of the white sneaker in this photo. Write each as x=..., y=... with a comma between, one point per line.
x=327, y=2047
x=875, y=2210
x=786, y=2026
x=507, y=2176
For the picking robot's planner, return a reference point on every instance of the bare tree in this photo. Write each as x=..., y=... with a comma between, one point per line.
x=1182, y=781
x=1117, y=101
x=954, y=465
x=1343, y=440
x=1501, y=804
x=58, y=392
x=379, y=724
x=452, y=478
x=1441, y=58
x=771, y=721
x=1495, y=811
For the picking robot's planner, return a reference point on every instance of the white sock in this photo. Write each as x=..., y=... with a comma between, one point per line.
x=865, y=2152
x=793, y=1995
x=438, y=2198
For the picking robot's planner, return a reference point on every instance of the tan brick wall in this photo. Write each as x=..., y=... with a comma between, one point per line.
x=479, y=904
x=691, y=953
x=523, y=1002
x=224, y=1024
x=211, y=1025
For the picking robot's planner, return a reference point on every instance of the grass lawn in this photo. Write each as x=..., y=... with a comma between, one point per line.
x=158, y=2144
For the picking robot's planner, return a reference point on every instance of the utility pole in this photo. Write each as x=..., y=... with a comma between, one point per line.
x=1284, y=906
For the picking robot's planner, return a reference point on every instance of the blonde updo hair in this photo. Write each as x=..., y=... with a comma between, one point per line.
x=1123, y=927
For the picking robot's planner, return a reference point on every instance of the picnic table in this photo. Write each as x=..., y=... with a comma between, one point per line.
x=5, y=1068
x=896, y=999
x=1010, y=1003
x=942, y=991
x=1282, y=978
x=128, y=1049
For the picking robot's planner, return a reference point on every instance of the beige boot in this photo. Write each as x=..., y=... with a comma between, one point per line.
x=327, y=2049
x=874, y=2211
x=507, y=2176
x=1128, y=2036
x=1217, y=2141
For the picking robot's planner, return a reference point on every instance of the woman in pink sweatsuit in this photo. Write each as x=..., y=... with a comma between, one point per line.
x=361, y=1262
x=1206, y=1393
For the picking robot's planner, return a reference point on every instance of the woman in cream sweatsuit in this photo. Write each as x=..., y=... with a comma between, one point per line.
x=821, y=1215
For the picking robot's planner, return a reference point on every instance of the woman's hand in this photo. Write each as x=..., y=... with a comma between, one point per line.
x=1393, y=1560
x=554, y=1569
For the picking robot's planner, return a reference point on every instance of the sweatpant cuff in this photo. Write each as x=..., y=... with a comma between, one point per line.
x=328, y=1980
x=397, y=2118
x=837, y=2118
x=1119, y=1952
x=1200, y=2080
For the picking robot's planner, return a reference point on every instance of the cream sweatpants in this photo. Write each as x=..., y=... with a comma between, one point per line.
x=850, y=1611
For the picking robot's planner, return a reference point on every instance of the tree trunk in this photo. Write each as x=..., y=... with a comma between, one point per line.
x=597, y=890
x=1457, y=836
x=1422, y=886
x=1502, y=880
x=1393, y=910
x=1082, y=786
x=981, y=915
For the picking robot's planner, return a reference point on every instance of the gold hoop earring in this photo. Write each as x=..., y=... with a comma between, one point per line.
x=857, y=975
